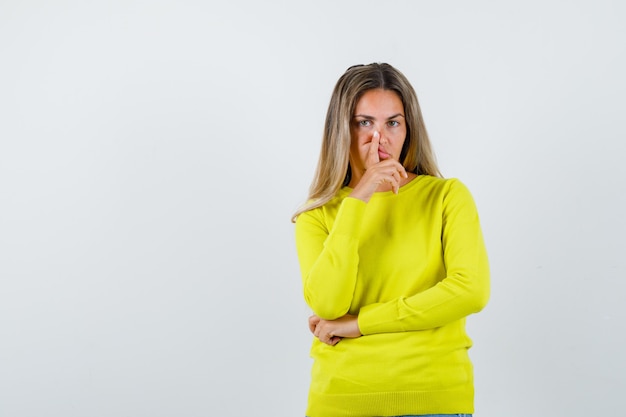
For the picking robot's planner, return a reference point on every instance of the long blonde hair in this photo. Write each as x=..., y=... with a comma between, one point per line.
x=333, y=168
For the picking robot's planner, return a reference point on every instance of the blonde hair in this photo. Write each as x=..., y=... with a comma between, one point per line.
x=333, y=168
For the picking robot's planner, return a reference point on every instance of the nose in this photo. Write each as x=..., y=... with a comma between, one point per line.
x=383, y=138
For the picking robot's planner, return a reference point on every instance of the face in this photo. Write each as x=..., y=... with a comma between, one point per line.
x=377, y=111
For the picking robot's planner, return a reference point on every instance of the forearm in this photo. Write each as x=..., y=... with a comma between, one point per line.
x=329, y=259
x=329, y=284
x=453, y=298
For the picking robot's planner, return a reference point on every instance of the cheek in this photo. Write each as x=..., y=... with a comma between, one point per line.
x=401, y=135
x=355, y=146
x=399, y=141
x=359, y=140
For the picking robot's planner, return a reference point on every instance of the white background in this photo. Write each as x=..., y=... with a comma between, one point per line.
x=152, y=154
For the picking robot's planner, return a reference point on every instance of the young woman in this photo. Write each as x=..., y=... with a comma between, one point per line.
x=392, y=260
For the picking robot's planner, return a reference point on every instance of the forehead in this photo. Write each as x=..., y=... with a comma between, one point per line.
x=379, y=101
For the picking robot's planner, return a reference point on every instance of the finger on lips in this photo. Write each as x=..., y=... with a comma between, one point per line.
x=373, y=151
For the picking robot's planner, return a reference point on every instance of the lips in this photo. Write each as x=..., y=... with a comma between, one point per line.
x=382, y=154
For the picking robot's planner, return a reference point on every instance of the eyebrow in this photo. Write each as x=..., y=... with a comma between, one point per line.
x=365, y=116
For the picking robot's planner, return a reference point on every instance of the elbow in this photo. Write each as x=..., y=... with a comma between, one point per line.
x=325, y=308
x=478, y=297
x=479, y=300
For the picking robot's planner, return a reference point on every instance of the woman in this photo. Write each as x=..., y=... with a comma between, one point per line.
x=392, y=260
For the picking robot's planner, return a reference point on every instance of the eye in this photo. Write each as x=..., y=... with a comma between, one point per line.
x=364, y=123
x=393, y=123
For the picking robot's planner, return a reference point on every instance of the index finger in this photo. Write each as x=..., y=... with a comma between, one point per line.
x=372, y=154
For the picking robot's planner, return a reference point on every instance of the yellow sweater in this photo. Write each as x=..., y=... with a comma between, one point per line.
x=412, y=266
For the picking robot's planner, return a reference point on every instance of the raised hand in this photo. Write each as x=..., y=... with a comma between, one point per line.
x=381, y=172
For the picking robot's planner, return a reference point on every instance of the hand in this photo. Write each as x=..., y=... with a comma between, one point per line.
x=377, y=173
x=332, y=331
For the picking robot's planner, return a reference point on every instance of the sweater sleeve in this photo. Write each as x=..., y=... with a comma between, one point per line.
x=463, y=291
x=329, y=259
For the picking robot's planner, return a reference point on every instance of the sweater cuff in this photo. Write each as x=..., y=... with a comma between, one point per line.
x=375, y=318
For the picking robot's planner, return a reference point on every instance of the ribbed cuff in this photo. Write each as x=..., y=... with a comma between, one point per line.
x=374, y=318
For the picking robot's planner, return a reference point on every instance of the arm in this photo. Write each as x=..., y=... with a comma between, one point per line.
x=463, y=291
x=329, y=258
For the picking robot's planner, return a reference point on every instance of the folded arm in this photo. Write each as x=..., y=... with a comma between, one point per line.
x=329, y=259
x=463, y=291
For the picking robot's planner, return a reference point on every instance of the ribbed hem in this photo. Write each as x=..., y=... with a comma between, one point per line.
x=458, y=401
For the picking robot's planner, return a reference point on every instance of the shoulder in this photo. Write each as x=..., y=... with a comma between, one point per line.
x=326, y=211
x=440, y=186
x=444, y=194
x=457, y=201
